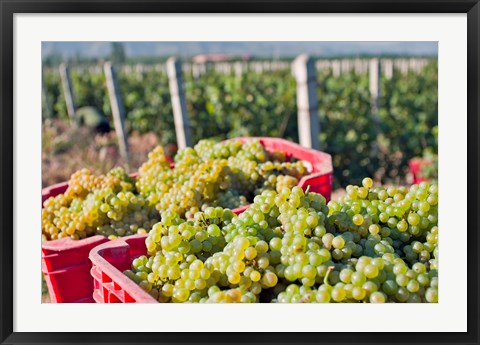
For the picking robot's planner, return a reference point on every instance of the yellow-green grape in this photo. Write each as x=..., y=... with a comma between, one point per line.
x=105, y=205
x=226, y=174
x=290, y=247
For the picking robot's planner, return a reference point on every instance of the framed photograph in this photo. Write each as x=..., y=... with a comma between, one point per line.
x=239, y=172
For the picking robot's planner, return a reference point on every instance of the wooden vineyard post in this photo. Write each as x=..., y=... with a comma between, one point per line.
x=307, y=102
x=336, y=68
x=195, y=71
x=179, y=104
x=46, y=100
x=118, y=110
x=388, y=65
x=238, y=70
x=374, y=77
x=374, y=72
x=67, y=90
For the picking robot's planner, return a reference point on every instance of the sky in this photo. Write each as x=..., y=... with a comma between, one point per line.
x=260, y=49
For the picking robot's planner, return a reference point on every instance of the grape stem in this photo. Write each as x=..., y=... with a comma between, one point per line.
x=204, y=220
x=325, y=280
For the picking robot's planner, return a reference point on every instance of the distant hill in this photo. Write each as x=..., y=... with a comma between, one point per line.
x=259, y=49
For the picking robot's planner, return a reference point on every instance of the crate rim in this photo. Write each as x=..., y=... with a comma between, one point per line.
x=117, y=277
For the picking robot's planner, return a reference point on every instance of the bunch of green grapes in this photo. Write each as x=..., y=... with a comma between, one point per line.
x=291, y=247
x=224, y=174
x=227, y=174
x=366, y=279
x=390, y=219
x=153, y=171
x=178, y=249
x=105, y=205
x=393, y=237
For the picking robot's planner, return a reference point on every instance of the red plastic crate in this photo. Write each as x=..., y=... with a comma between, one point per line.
x=415, y=165
x=66, y=268
x=65, y=262
x=109, y=260
x=53, y=190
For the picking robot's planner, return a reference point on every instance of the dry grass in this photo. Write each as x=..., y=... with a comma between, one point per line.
x=67, y=149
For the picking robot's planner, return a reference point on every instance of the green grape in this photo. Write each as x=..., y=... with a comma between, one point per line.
x=104, y=205
x=374, y=245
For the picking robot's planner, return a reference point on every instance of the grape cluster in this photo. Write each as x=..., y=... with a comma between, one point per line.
x=224, y=174
x=375, y=245
x=178, y=250
x=105, y=205
x=227, y=174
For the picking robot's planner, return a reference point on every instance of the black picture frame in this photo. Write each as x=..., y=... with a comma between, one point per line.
x=10, y=7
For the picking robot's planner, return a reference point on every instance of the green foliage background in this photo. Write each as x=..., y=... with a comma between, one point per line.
x=264, y=104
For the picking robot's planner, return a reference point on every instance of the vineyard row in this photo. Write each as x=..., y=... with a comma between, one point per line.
x=337, y=66
x=370, y=128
